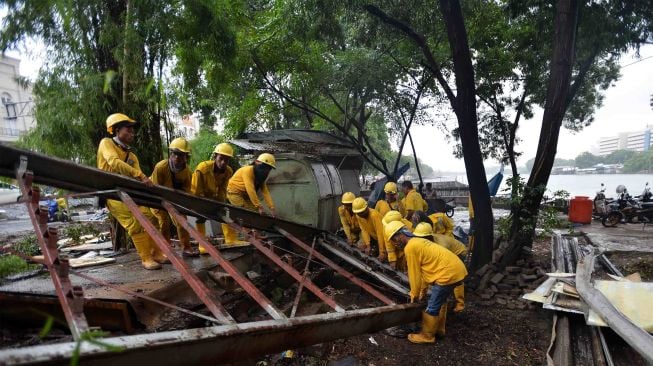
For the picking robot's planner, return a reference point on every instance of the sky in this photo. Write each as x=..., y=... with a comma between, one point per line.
x=625, y=108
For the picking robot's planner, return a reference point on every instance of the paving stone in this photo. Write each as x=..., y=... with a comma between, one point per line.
x=520, y=262
x=520, y=306
x=515, y=291
x=484, y=280
x=504, y=287
x=497, y=255
x=513, y=269
x=529, y=270
x=521, y=283
x=494, y=289
x=539, y=271
x=496, y=279
x=486, y=296
x=511, y=281
x=528, y=278
x=511, y=305
x=540, y=280
x=481, y=271
x=486, y=302
x=501, y=301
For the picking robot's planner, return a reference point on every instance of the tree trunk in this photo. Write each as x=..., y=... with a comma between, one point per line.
x=465, y=108
x=523, y=227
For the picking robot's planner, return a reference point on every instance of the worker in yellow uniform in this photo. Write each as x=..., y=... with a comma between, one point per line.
x=174, y=173
x=425, y=230
x=115, y=155
x=396, y=257
x=248, y=181
x=210, y=180
x=413, y=201
x=348, y=218
x=442, y=224
x=371, y=225
x=433, y=265
x=391, y=201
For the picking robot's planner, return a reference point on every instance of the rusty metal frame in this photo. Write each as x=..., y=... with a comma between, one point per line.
x=248, y=286
x=71, y=297
x=343, y=272
x=286, y=267
x=219, y=344
x=208, y=297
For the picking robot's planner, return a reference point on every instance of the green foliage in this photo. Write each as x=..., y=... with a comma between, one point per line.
x=549, y=215
x=12, y=264
x=619, y=156
x=586, y=160
x=76, y=231
x=203, y=145
x=93, y=337
x=639, y=162
x=28, y=245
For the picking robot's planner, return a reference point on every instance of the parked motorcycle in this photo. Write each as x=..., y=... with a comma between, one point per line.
x=646, y=198
x=628, y=210
x=602, y=205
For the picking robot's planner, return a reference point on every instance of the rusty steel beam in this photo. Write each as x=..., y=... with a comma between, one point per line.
x=71, y=297
x=343, y=272
x=298, y=296
x=288, y=268
x=220, y=344
x=248, y=286
x=78, y=178
x=208, y=297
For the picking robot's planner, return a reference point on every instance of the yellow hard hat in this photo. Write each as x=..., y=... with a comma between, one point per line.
x=390, y=187
x=359, y=205
x=348, y=197
x=423, y=229
x=268, y=159
x=224, y=149
x=391, y=229
x=391, y=216
x=180, y=144
x=115, y=119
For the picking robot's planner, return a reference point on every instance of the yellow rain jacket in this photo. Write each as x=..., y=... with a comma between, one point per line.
x=442, y=224
x=163, y=176
x=455, y=246
x=206, y=183
x=349, y=224
x=429, y=263
x=413, y=201
x=383, y=206
x=395, y=254
x=372, y=227
x=113, y=159
x=242, y=184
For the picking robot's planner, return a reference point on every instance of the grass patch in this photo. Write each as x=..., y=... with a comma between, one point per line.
x=11, y=264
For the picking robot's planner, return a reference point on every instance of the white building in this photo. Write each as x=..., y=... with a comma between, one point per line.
x=635, y=141
x=16, y=110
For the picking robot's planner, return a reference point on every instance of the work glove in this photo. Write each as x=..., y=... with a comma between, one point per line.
x=145, y=180
x=261, y=210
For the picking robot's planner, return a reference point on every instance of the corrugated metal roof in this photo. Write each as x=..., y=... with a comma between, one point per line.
x=302, y=141
x=296, y=135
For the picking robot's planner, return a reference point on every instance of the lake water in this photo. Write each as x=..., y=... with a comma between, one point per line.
x=588, y=185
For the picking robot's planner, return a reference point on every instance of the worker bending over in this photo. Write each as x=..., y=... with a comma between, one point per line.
x=174, y=173
x=248, y=181
x=413, y=201
x=391, y=201
x=348, y=218
x=369, y=221
x=432, y=265
x=425, y=230
x=114, y=155
x=396, y=256
x=442, y=224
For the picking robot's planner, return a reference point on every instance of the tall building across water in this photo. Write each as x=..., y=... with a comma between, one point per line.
x=635, y=141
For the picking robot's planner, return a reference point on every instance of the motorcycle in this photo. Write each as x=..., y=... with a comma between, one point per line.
x=601, y=205
x=628, y=210
x=646, y=198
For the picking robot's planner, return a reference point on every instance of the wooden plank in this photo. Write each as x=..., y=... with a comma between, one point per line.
x=88, y=247
x=87, y=262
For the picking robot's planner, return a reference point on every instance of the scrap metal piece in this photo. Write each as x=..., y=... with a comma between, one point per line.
x=208, y=297
x=632, y=299
x=635, y=336
x=219, y=344
x=298, y=296
x=248, y=286
x=343, y=272
x=288, y=268
x=71, y=297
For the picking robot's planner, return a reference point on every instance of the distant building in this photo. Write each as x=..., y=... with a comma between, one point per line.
x=16, y=111
x=635, y=141
x=186, y=125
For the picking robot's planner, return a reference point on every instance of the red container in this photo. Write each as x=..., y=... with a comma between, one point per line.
x=580, y=210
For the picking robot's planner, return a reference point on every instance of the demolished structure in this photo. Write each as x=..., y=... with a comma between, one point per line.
x=233, y=291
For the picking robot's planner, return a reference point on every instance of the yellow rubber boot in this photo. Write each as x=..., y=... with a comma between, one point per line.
x=442, y=321
x=201, y=227
x=157, y=254
x=144, y=248
x=427, y=335
x=231, y=236
x=459, y=294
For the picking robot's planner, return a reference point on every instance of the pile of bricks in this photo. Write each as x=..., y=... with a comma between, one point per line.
x=505, y=288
